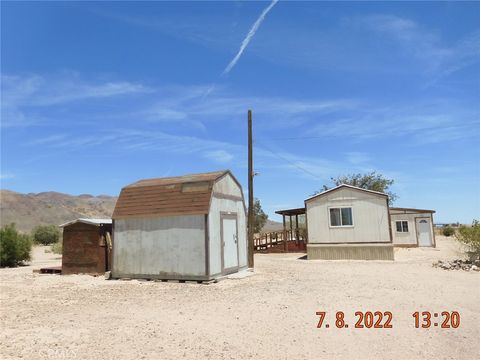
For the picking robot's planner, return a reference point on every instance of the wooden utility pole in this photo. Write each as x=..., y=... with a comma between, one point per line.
x=251, y=217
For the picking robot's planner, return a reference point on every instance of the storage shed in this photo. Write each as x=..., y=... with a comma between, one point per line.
x=348, y=222
x=189, y=227
x=412, y=227
x=86, y=246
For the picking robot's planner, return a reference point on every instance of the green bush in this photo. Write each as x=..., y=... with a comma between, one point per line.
x=470, y=236
x=14, y=247
x=46, y=234
x=57, y=248
x=448, y=231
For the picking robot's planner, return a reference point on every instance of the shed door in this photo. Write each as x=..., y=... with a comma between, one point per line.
x=424, y=234
x=230, y=243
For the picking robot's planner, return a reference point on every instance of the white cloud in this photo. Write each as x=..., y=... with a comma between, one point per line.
x=220, y=156
x=160, y=113
x=187, y=106
x=21, y=95
x=42, y=100
x=357, y=157
x=47, y=139
x=5, y=176
x=205, y=29
x=417, y=123
x=77, y=91
x=219, y=151
x=427, y=45
x=248, y=38
x=184, y=109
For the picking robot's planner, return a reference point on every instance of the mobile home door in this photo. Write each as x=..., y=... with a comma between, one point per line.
x=424, y=234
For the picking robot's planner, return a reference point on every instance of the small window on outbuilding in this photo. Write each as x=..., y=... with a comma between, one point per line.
x=402, y=226
x=194, y=187
x=341, y=216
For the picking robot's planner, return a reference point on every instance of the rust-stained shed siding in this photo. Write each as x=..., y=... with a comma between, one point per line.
x=182, y=195
x=84, y=249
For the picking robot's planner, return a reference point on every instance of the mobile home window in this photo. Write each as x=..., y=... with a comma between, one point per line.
x=341, y=216
x=402, y=226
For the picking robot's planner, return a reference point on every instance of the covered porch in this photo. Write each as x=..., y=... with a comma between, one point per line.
x=293, y=236
x=294, y=224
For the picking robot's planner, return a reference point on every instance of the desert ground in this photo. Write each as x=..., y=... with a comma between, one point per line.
x=269, y=315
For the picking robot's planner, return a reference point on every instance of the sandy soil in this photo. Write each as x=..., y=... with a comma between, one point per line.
x=270, y=315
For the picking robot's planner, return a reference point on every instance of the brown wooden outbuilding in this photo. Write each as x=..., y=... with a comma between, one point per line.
x=87, y=246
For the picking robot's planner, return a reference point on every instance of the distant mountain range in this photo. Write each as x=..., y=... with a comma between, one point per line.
x=30, y=210
x=271, y=226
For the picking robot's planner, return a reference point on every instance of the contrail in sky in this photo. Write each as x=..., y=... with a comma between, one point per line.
x=249, y=37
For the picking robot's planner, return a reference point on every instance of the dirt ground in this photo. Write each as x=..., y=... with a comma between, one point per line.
x=270, y=315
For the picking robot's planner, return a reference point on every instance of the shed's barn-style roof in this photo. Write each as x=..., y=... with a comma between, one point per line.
x=180, y=195
x=345, y=186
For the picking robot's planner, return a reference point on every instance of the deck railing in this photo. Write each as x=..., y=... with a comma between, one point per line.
x=275, y=240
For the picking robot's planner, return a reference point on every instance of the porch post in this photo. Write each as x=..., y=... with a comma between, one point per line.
x=297, y=232
x=291, y=231
x=291, y=228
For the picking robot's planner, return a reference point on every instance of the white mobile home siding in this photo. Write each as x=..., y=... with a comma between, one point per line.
x=370, y=218
x=159, y=247
x=409, y=238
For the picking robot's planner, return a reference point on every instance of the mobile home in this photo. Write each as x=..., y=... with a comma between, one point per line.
x=348, y=222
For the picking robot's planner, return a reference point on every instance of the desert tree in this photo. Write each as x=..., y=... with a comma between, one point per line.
x=259, y=216
x=470, y=236
x=46, y=234
x=370, y=181
x=15, y=247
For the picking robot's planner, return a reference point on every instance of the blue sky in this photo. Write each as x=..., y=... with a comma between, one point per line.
x=98, y=95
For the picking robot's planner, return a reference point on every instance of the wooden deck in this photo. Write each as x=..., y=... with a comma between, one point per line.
x=274, y=242
x=51, y=270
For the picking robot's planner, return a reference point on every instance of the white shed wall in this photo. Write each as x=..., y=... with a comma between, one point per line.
x=410, y=238
x=226, y=186
x=370, y=218
x=172, y=246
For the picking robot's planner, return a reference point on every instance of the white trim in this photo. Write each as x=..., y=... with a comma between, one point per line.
x=96, y=222
x=339, y=226
x=400, y=210
x=401, y=226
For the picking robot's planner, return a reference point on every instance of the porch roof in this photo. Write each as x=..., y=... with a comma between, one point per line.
x=291, y=212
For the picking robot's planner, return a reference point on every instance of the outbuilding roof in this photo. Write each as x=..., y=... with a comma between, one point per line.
x=191, y=178
x=96, y=222
x=341, y=186
x=180, y=195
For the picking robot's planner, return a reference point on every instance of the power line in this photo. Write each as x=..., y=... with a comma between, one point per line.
x=426, y=128
x=299, y=138
x=290, y=162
